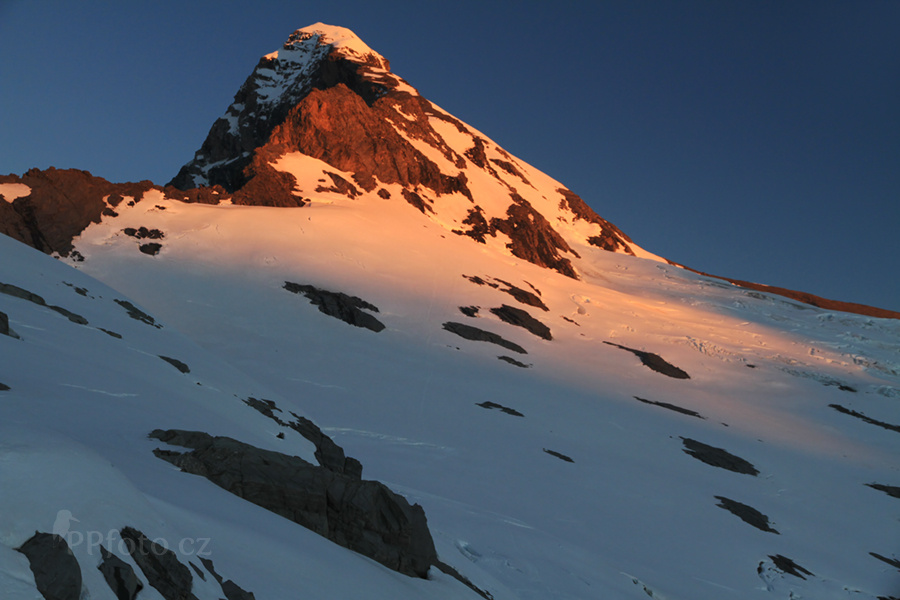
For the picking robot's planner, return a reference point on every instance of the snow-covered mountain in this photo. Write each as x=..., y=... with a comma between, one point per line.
x=360, y=274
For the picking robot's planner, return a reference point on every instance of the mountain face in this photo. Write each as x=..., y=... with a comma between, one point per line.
x=329, y=97
x=345, y=281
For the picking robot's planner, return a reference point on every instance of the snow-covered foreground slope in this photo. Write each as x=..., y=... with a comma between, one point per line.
x=77, y=405
x=585, y=475
x=578, y=418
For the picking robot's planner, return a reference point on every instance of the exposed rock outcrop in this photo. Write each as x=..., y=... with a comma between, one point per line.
x=787, y=565
x=655, y=362
x=469, y=311
x=522, y=296
x=559, y=455
x=176, y=363
x=4, y=324
x=610, y=238
x=137, y=314
x=746, y=513
x=521, y=318
x=17, y=292
x=514, y=362
x=329, y=454
x=533, y=239
x=339, y=305
x=231, y=590
x=62, y=203
x=888, y=561
x=480, y=335
x=717, y=457
x=150, y=248
x=504, y=409
x=890, y=490
x=864, y=418
x=56, y=571
x=164, y=572
x=364, y=516
x=144, y=233
x=119, y=575
x=672, y=407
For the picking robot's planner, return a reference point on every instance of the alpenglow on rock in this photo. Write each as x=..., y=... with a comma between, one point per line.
x=325, y=114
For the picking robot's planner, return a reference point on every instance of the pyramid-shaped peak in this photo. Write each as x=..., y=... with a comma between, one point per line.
x=339, y=40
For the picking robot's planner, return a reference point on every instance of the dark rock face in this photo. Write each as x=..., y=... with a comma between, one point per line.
x=338, y=126
x=4, y=387
x=786, y=565
x=330, y=455
x=144, y=233
x=4, y=324
x=480, y=335
x=265, y=186
x=197, y=195
x=56, y=571
x=504, y=409
x=17, y=292
x=231, y=590
x=717, y=457
x=137, y=314
x=611, y=238
x=864, y=418
x=164, y=572
x=119, y=575
x=655, y=362
x=469, y=311
x=521, y=318
x=520, y=295
x=514, y=362
x=62, y=203
x=889, y=561
x=559, y=455
x=176, y=363
x=151, y=249
x=478, y=226
x=341, y=186
x=672, y=407
x=252, y=117
x=533, y=239
x=364, y=516
x=890, y=490
x=339, y=305
x=746, y=513
x=510, y=168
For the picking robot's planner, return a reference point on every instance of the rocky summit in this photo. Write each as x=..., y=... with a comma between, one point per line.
x=355, y=348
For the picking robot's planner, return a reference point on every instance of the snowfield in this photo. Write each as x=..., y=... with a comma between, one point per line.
x=633, y=506
x=638, y=431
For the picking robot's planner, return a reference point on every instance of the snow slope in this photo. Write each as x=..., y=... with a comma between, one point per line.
x=73, y=437
x=634, y=510
x=578, y=418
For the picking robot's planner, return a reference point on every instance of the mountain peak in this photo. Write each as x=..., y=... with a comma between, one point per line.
x=307, y=41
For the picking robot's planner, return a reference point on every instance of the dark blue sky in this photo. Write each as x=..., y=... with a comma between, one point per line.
x=757, y=140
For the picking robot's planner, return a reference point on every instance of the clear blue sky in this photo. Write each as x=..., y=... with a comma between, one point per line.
x=757, y=140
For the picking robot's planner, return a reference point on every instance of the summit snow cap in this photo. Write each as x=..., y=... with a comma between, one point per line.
x=306, y=41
